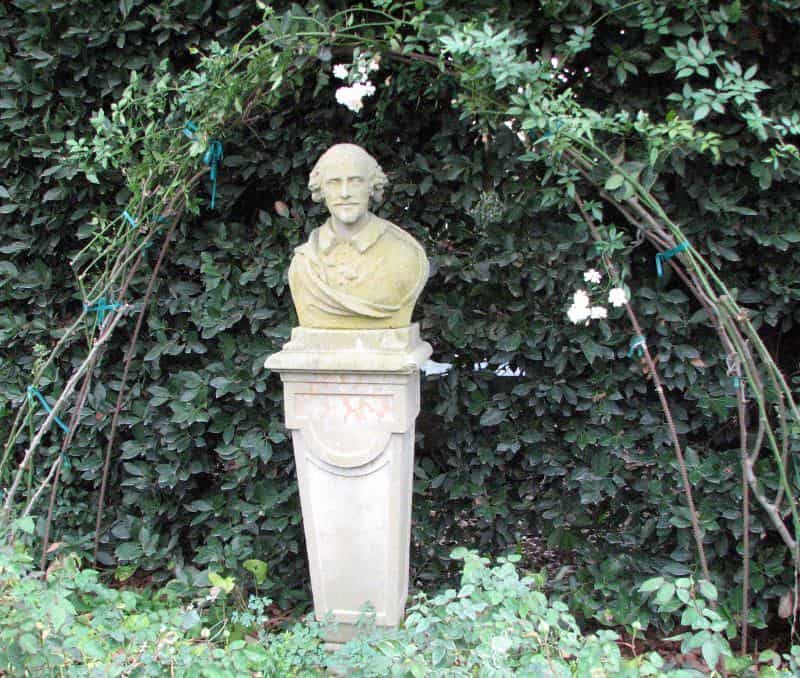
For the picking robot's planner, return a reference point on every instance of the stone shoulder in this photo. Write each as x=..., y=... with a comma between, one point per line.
x=409, y=267
x=401, y=235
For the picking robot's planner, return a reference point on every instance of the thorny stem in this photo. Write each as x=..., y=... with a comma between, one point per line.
x=55, y=470
x=687, y=488
x=68, y=389
x=705, y=293
x=73, y=423
x=121, y=393
x=768, y=507
x=740, y=398
x=16, y=428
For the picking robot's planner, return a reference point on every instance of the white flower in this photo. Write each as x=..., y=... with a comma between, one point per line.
x=598, y=312
x=340, y=71
x=374, y=65
x=592, y=276
x=580, y=299
x=347, y=96
x=578, y=314
x=352, y=96
x=617, y=297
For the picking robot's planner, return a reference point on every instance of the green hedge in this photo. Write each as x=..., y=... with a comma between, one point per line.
x=577, y=448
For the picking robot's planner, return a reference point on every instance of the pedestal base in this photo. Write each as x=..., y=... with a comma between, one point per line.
x=351, y=398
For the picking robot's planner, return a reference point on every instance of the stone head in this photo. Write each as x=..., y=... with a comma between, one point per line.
x=346, y=178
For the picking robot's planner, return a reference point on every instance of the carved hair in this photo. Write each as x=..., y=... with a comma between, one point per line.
x=377, y=178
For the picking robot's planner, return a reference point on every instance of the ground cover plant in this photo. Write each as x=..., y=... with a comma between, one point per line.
x=486, y=118
x=495, y=623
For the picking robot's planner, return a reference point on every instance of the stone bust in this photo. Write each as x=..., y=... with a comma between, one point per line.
x=357, y=271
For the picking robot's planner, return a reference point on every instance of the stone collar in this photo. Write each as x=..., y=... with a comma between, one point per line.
x=362, y=240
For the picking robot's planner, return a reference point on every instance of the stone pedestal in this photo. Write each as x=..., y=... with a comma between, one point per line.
x=351, y=398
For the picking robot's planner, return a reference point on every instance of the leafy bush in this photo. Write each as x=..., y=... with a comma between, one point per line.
x=495, y=624
x=72, y=624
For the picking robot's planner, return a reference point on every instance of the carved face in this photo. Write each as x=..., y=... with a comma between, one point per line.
x=346, y=188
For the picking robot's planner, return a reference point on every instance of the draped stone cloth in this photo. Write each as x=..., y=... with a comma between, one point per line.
x=369, y=281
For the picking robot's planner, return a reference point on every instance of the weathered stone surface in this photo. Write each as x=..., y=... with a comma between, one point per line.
x=351, y=398
x=356, y=271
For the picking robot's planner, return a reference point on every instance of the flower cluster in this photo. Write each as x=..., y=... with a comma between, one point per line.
x=582, y=311
x=617, y=297
x=352, y=96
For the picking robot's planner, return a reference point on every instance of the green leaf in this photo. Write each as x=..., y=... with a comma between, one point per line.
x=711, y=652
x=28, y=643
x=492, y=417
x=614, y=182
x=58, y=614
x=707, y=589
x=25, y=525
x=190, y=620
x=459, y=553
x=125, y=572
x=510, y=342
x=665, y=593
x=258, y=568
x=701, y=112
x=53, y=194
x=651, y=585
x=128, y=551
x=225, y=583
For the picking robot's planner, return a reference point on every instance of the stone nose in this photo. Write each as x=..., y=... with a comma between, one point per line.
x=345, y=189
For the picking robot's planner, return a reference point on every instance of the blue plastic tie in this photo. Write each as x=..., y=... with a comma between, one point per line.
x=129, y=218
x=661, y=257
x=736, y=382
x=32, y=392
x=212, y=158
x=100, y=308
x=189, y=130
x=637, y=344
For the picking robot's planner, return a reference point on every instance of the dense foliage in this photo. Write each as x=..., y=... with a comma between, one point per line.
x=574, y=445
x=495, y=623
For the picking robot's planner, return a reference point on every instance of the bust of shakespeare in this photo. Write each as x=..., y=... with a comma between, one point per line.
x=357, y=271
